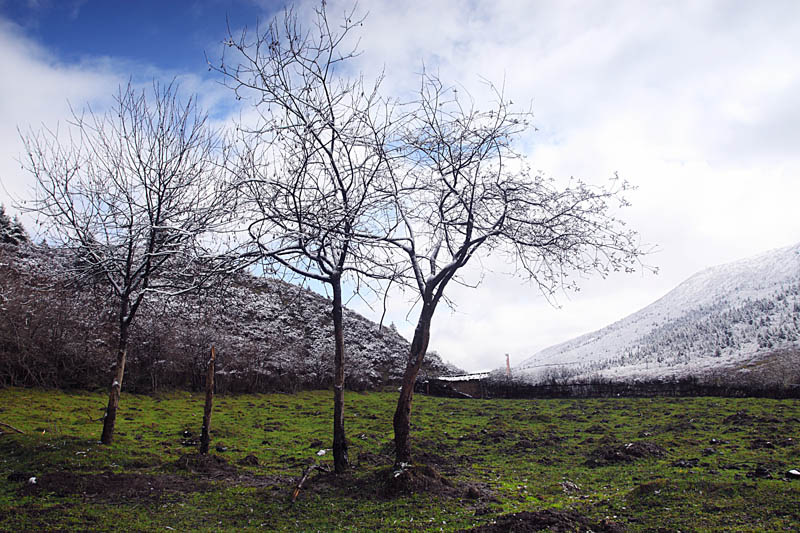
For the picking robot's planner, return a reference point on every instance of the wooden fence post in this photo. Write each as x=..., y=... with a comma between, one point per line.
x=205, y=438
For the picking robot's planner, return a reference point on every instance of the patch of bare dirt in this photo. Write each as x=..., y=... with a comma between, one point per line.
x=112, y=487
x=215, y=468
x=367, y=457
x=439, y=456
x=249, y=460
x=743, y=418
x=528, y=445
x=418, y=479
x=209, y=465
x=548, y=519
x=624, y=453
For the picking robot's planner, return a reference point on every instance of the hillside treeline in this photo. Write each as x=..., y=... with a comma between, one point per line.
x=269, y=335
x=718, y=385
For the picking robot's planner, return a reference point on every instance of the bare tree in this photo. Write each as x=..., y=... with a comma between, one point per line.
x=309, y=167
x=463, y=192
x=134, y=192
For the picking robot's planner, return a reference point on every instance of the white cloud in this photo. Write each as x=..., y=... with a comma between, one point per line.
x=39, y=89
x=36, y=90
x=696, y=103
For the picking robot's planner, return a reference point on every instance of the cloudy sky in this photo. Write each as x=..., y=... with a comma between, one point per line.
x=697, y=103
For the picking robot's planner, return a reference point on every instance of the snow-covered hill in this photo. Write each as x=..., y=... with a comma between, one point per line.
x=726, y=317
x=270, y=330
x=269, y=334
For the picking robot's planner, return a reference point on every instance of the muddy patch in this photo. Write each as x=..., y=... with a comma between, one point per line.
x=439, y=456
x=743, y=418
x=212, y=466
x=112, y=487
x=549, y=520
x=413, y=479
x=541, y=443
x=366, y=457
x=215, y=468
x=249, y=460
x=611, y=454
x=387, y=484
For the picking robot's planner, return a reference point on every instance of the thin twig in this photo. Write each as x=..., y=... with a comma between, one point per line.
x=303, y=479
x=9, y=426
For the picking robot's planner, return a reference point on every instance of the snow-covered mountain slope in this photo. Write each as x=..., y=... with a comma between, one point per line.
x=273, y=330
x=269, y=335
x=723, y=317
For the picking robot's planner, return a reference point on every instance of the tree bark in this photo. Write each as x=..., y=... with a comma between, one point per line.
x=116, y=386
x=340, y=461
x=205, y=437
x=402, y=415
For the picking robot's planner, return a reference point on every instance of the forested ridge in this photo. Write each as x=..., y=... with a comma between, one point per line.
x=739, y=321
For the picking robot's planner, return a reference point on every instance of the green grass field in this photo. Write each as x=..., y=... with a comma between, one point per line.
x=689, y=464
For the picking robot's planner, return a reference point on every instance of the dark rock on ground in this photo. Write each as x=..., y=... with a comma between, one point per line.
x=761, y=472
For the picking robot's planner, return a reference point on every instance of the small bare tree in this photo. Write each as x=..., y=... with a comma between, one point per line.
x=134, y=192
x=309, y=167
x=464, y=192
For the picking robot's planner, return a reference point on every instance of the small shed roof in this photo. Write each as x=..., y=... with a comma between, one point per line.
x=465, y=377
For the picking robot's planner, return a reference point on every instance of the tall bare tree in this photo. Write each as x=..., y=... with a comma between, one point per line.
x=134, y=192
x=464, y=192
x=309, y=167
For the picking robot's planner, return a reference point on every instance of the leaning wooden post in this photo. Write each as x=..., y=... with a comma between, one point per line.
x=205, y=438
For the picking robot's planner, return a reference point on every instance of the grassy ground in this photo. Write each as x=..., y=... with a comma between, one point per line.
x=695, y=464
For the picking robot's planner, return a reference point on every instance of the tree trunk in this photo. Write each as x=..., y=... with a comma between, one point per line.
x=402, y=415
x=116, y=386
x=205, y=437
x=340, y=461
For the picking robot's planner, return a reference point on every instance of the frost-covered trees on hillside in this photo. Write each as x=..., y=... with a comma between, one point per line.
x=50, y=327
x=740, y=329
x=134, y=192
x=11, y=231
x=270, y=335
x=750, y=317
